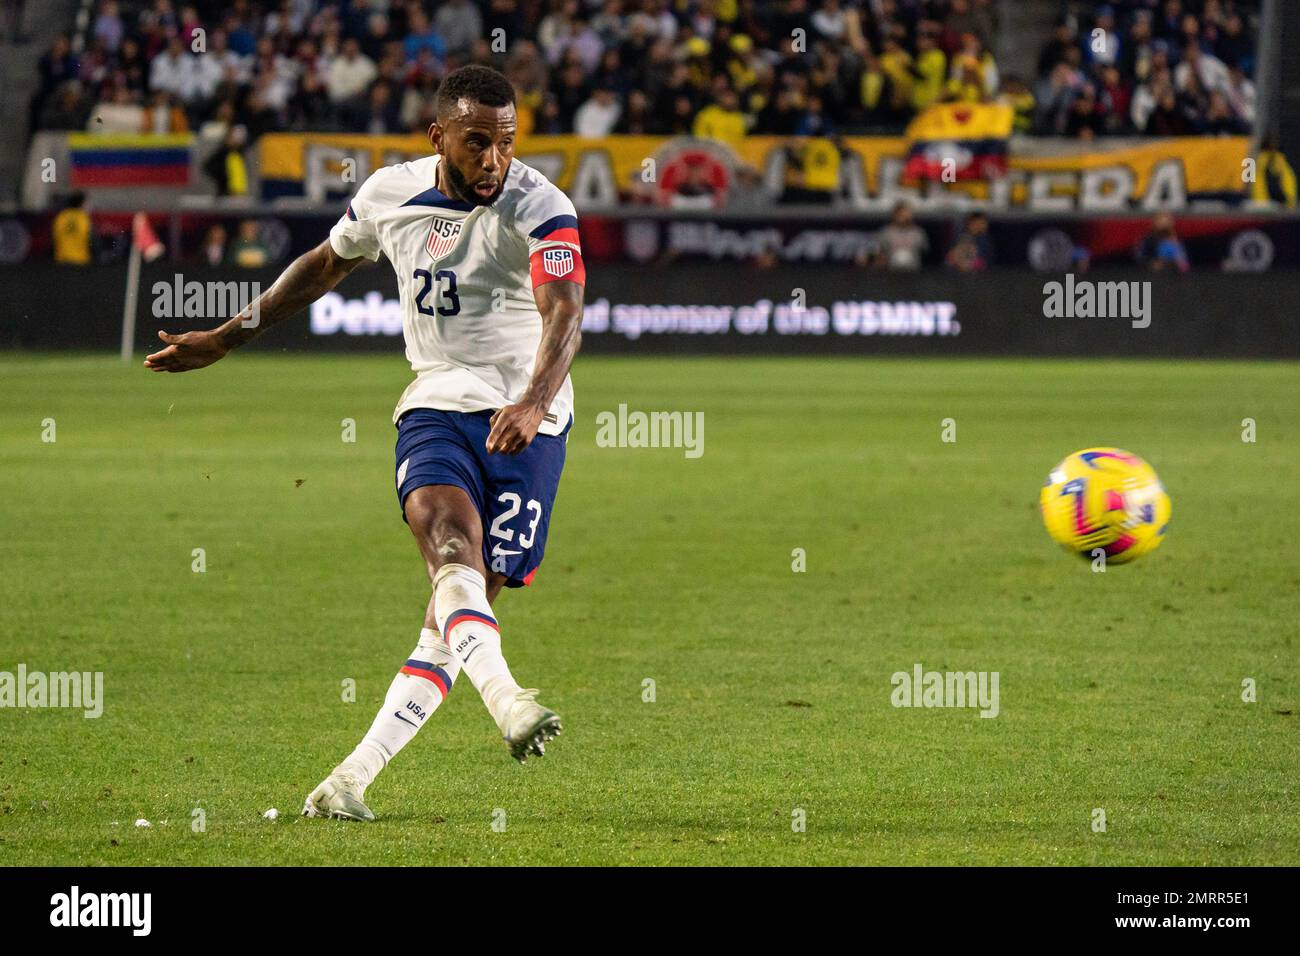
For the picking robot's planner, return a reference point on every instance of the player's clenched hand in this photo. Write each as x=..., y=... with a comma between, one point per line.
x=186, y=351
x=513, y=428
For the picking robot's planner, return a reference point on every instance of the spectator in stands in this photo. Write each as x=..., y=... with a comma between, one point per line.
x=1220, y=119
x=1199, y=70
x=1084, y=120
x=828, y=21
x=459, y=24
x=577, y=38
x=896, y=65
x=1138, y=49
x=130, y=68
x=1018, y=96
x=722, y=120
x=930, y=69
x=248, y=250
x=610, y=24
x=1114, y=100
x=108, y=28
x=190, y=27
x=1146, y=96
x=1103, y=45
x=974, y=65
x=1234, y=46
x=71, y=232
x=973, y=250
x=639, y=118
x=902, y=244
x=55, y=67
x=163, y=115
x=382, y=114
x=68, y=109
x=422, y=36
x=173, y=71
x=1241, y=95
x=548, y=121
x=971, y=16
x=1054, y=51
x=860, y=65
x=350, y=74
x=1170, y=116
x=967, y=84
x=226, y=166
x=812, y=171
x=1161, y=249
x=1275, y=180
x=597, y=117
x=213, y=251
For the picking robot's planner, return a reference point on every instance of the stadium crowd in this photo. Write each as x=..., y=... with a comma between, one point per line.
x=1153, y=67
x=717, y=68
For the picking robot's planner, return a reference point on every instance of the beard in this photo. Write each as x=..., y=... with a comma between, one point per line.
x=466, y=192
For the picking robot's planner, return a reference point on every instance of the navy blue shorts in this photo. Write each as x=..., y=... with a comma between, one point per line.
x=513, y=493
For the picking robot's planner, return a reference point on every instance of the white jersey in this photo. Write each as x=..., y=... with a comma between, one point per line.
x=466, y=276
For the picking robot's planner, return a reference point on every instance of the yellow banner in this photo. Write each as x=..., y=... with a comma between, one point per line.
x=957, y=121
x=605, y=172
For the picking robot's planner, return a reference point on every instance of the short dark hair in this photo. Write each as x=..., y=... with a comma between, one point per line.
x=482, y=84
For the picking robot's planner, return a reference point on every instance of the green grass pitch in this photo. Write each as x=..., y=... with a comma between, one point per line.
x=224, y=689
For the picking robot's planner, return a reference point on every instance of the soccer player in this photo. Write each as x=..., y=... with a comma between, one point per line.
x=491, y=276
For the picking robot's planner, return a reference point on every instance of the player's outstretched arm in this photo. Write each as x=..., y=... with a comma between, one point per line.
x=306, y=279
x=515, y=426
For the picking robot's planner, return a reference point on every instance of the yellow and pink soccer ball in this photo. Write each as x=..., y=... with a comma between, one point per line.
x=1107, y=499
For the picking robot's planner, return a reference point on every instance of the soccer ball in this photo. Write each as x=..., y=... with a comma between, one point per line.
x=1108, y=499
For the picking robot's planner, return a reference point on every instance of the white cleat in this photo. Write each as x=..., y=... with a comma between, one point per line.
x=339, y=796
x=528, y=726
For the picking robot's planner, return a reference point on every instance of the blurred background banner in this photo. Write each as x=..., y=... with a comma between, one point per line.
x=855, y=172
x=704, y=310
x=1246, y=241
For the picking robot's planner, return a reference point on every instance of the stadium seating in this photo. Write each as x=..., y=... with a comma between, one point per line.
x=720, y=68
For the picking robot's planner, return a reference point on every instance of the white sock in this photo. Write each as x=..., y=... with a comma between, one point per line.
x=465, y=619
x=419, y=687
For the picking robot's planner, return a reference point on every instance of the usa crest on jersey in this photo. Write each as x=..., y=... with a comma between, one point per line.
x=557, y=262
x=443, y=236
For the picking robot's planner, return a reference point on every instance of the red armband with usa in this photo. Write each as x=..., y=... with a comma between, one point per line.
x=556, y=253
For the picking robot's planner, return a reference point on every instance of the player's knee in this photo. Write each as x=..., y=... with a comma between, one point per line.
x=447, y=539
x=452, y=547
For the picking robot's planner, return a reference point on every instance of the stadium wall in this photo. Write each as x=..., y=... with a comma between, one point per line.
x=696, y=307
x=1243, y=241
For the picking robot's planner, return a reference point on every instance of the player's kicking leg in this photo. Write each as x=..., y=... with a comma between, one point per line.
x=444, y=482
x=449, y=530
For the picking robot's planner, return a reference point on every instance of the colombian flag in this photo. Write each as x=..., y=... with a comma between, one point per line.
x=157, y=160
x=959, y=142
